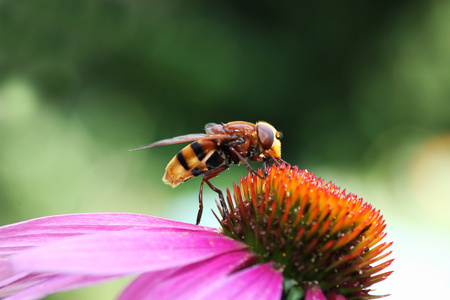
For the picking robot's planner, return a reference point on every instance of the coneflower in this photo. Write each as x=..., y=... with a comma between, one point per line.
x=289, y=236
x=316, y=233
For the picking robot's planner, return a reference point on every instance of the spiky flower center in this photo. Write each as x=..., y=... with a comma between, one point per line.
x=314, y=231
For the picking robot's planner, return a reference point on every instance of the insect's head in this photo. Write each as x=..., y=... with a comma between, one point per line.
x=269, y=138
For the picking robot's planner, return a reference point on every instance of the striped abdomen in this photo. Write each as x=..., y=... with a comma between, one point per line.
x=194, y=159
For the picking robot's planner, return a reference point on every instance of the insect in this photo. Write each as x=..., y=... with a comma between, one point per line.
x=211, y=153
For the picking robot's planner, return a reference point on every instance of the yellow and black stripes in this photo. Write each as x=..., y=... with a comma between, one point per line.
x=198, y=150
x=182, y=161
x=194, y=159
x=191, y=157
x=214, y=161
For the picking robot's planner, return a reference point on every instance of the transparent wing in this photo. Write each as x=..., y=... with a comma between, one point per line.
x=182, y=139
x=209, y=126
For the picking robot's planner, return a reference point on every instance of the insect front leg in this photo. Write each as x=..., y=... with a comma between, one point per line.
x=242, y=159
x=265, y=168
x=278, y=161
x=206, y=177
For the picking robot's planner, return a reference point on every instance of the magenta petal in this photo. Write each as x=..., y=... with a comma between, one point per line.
x=6, y=274
x=258, y=282
x=20, y=282
x=185, y=282
x=56, y=283
x=334, y=296
x=20, y=236
x=314, y=292
x=123, y=252
x=144, y=284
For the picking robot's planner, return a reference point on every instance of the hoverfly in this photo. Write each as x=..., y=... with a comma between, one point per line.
x=211, y=153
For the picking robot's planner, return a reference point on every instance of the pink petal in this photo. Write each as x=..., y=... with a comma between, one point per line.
x=52, y=232
x=20, y=282
x=56, y=283
x=334, y=296
x=6, y=272
x=258, y=282
x=123, y=252
x=314, y=292
x=20, y=236
x=183, y=283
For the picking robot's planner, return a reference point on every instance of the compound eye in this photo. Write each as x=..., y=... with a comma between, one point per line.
x=266, y=135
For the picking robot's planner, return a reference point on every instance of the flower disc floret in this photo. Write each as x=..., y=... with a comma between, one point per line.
x=314, y=231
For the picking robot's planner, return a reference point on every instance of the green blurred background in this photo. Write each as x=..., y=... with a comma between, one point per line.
x=360, y=90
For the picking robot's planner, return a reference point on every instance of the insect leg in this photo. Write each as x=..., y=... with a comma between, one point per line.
x=285, y=162
x=206, y=177
x=242, y=159
x=265, y=168
x=278, y=161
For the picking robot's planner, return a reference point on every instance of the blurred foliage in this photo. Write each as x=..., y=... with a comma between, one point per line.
x=335, y=73
x=360, y=90
x=348, y=83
